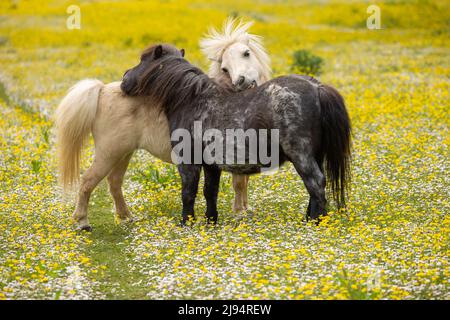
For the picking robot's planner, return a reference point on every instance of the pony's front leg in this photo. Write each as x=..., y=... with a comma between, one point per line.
x=210, y=191
x=115, y=180
x=190, y=175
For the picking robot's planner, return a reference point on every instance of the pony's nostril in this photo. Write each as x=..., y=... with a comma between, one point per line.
x=240, y=81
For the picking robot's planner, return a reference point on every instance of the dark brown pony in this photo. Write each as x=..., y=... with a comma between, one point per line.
x=311, y=120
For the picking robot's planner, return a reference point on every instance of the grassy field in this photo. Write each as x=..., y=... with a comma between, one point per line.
x=393, y=241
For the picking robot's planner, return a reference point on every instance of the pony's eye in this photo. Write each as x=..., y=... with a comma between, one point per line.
x=225, y=70
x=247, y=54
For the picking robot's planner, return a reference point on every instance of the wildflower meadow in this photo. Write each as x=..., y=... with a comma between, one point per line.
x=391, y=242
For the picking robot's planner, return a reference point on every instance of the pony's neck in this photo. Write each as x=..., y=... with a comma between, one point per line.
x=189, y=93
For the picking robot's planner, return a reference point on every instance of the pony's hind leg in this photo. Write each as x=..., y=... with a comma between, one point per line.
x=98, y=170
x=190, y=176
x=319, y=161
x=210, y=191
x=314, y=180
x=245, y=194
x=240, y=192
x=115, y=180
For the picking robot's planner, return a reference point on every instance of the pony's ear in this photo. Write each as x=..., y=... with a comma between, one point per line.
x=158, y=51
x=182, y=52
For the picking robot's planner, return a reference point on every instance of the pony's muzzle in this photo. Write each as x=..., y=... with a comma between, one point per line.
x=242, y=83
x=127, y=85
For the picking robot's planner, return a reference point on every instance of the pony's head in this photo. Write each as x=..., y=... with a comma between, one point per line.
x=238, y=57
x=132, y=79
x=167, y=77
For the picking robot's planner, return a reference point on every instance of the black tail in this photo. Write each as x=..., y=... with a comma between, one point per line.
x=336, y=142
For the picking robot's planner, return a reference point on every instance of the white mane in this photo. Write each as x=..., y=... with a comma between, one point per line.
x=215, y=43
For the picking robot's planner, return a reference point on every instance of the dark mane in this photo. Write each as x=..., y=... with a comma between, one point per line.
x=173, y=81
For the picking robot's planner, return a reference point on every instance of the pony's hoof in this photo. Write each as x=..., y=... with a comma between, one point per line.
x=211, y=222
x=242, y=210
x=244, y=214
x=118, y=220
x=315, y=221
x=238, y=210
x=187, y=222
x=86, y=228
x=184, y=224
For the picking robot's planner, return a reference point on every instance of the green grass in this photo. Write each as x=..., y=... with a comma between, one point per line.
x=108, y=249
